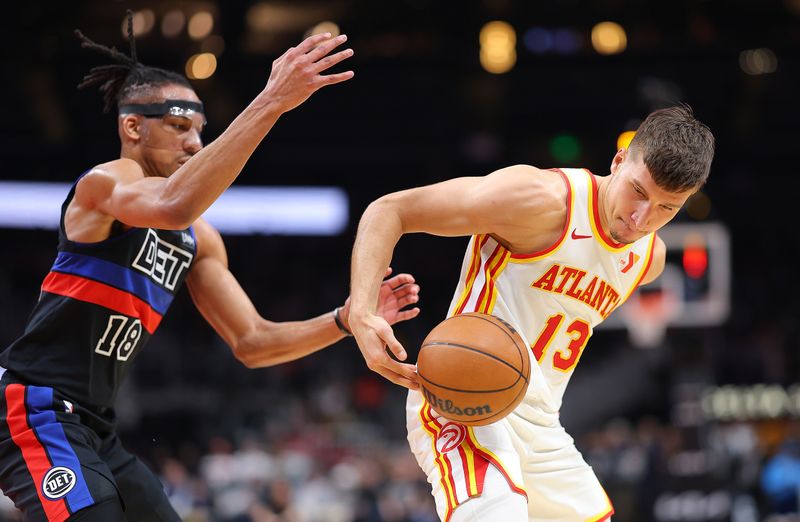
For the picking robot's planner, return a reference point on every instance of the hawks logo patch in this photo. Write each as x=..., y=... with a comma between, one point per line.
x=626, y=263
x=451, y=436
x=58, y=482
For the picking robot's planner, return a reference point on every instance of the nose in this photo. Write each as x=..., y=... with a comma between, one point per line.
x=641, y=216
x=193, y=142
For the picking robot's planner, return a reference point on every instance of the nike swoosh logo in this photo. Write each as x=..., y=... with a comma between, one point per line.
x=578, y=236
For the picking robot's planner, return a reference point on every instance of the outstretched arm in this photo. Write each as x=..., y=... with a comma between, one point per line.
x=257, y=342
x=515, y=203
x=119, y=189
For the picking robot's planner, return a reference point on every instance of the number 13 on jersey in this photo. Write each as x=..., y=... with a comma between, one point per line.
x=564, y=359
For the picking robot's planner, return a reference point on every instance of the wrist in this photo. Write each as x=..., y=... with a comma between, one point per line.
x=339, y=322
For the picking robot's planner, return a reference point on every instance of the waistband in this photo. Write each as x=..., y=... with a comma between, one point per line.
x=101, y=419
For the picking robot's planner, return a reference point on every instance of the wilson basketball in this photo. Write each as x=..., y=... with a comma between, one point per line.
x=474, y=368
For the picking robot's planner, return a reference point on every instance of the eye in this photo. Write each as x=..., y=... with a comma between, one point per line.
x=178, y=124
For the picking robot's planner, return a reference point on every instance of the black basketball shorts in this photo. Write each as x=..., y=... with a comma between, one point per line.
x=53, y=465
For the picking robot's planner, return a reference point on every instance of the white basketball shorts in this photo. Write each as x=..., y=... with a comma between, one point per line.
x=512, y=470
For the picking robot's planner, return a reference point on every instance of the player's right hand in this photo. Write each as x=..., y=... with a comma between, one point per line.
x=296, y=74
x=376, y=339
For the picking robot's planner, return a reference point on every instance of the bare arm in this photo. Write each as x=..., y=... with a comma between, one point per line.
x=119, y=190
x=255, y=341
x=657, y=263
x=517, y=203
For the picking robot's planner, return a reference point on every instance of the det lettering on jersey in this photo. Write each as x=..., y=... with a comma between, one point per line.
x=58, y=482
x=163, y=262
x=596, y=293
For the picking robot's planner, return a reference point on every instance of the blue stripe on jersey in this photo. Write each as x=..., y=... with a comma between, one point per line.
x=114, y=275
x=42, y=418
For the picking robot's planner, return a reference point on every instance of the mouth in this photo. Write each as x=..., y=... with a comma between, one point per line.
x=630, y=229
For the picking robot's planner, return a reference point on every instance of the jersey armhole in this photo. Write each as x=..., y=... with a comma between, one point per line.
x=533, y=256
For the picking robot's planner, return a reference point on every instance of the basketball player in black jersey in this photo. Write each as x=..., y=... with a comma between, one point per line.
x=130, y=235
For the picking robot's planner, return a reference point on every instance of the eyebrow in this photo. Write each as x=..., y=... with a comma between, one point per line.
x=666, y=203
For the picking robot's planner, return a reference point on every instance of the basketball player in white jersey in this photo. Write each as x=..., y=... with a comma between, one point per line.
x=553, y=252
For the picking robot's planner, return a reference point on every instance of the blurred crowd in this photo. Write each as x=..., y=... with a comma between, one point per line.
x=324, y=460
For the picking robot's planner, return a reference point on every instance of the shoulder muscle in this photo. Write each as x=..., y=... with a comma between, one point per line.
x=657, y=263
x=99, y=183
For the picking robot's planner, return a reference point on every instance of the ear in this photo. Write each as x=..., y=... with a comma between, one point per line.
x=619, y=159
x=129, y=128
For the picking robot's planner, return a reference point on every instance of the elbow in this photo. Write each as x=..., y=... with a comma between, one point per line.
x=377, y=207
x=176, y=214
x=247, y=355
x=383, y=204
x=259, y=348
x=384, y=208
x=246, y=358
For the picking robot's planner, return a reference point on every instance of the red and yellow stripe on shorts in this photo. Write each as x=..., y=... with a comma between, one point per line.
x=462, y=462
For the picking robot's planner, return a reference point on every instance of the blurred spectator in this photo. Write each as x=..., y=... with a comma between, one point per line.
x=780, y=478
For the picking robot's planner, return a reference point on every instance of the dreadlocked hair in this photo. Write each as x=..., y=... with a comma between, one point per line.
x=127, y=77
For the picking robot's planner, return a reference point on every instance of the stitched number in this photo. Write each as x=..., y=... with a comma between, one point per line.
x=544, y=339
x=120, y=326
x=563, y=360
x=131, y=339
x=579, y=330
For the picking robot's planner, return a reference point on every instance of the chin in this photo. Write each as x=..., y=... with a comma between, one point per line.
x=623, y=239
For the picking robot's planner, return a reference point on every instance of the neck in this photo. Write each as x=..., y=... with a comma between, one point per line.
x=132, y=154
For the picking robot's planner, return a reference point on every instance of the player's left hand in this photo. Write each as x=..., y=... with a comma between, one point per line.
x=395, y=294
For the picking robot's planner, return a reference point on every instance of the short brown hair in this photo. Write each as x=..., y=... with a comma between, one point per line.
x=677, y=148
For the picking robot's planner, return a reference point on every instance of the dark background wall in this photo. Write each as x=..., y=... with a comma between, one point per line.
x=420, y=110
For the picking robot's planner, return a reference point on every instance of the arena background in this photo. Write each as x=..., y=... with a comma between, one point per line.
x=702, y=426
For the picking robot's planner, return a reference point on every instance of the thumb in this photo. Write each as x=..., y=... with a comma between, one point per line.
x=393, y=346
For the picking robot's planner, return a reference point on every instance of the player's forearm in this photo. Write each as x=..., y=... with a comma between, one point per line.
x=200, y=181
x=271, y=343
x=379, y=231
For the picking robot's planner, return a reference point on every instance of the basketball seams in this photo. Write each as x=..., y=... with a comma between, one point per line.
x=483, y=317
x=476, y=350
x=475, y=340
x=519, y=377
x=503, y=412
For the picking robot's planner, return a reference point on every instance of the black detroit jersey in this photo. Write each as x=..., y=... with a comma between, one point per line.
x=98, y=306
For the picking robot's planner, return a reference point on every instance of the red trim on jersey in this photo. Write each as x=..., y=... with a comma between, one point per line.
x=475, y=265
x=449, y=464
x=647, y=263
x=101, y=294
x=32, y=450
x=481, y=464
x=491, y=295
x=433, y=427
x=555, y=245
x=642, y=274
x=502, y=471
x=487, y=273
x=465, y=470
x=606, y=516
x=596, y=213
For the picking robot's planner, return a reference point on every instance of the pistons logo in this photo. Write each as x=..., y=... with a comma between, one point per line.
x=58, y=482
x=451, y=437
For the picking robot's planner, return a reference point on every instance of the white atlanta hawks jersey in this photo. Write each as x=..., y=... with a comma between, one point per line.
x=554, y=297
